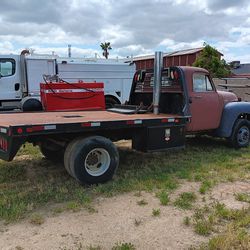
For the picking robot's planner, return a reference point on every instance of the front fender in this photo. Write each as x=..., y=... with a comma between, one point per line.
x=231, y=113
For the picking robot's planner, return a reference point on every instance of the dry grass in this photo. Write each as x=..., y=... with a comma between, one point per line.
x=31, y=182
x=37, y=219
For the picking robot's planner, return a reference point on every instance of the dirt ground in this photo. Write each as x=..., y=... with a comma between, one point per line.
x=118, y=219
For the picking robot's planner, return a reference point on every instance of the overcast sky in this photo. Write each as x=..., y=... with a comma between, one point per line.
x=134, y=27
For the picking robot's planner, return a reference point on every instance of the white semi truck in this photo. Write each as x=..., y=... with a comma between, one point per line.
x=21, y=75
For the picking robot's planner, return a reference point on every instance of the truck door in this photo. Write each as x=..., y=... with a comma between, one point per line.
x=204, y=104
x=10, y=87
x=36, y=68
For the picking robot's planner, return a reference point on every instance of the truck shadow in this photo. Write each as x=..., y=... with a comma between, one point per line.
x=207, y=141
x=199, y=153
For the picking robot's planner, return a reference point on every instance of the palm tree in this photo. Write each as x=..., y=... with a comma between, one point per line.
x=106, y=47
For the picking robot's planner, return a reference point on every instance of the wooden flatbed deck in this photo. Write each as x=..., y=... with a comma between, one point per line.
x=17, y=128
x=37, y=118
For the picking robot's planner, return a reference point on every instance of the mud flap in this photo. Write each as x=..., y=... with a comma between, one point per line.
x=9, y=146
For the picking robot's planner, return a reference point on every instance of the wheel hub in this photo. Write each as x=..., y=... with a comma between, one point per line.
x=243, y=135
x=92, y=159
x=97, y=161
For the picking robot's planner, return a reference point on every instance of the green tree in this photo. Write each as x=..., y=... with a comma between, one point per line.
x=209, y=59
x=105, y=47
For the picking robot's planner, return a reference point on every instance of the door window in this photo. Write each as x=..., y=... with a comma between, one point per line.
x=7, y=67
x=201, y=83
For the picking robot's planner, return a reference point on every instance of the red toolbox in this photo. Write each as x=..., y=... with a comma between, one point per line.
x=72, y=96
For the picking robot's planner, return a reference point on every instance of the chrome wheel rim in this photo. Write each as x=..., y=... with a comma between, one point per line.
x=97, y=162
x=243, y=135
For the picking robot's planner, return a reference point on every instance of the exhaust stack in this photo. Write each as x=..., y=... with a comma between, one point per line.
x=69, y=50
x=158, y=62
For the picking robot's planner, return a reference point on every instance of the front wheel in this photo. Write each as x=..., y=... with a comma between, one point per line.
x=110, y=102
x=241, y=134
x=92, y=160
x=31, y=104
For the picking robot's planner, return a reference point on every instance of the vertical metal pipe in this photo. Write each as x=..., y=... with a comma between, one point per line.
x=158, y=62
x=69, y=50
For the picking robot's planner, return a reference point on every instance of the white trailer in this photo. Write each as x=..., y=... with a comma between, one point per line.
x=21, y=75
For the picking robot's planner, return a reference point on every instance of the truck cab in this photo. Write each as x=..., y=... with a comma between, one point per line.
x=206, y=104
x=190, y=91
x=10, y=81
x=21, y=75
x=20, y=79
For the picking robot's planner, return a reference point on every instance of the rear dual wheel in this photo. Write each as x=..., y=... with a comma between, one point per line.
x=91, y=160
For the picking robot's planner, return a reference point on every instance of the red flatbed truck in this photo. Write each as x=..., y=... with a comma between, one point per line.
x=83, y=138
x=187, y=102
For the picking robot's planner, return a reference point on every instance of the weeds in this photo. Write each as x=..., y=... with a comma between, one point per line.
x=233, y=224
x=19, y=248
x=58, y=210
x=137, y=222
x=231, y=239
x=37, y=219
x=73, y=205
x=156, y=212
x=185, y=200
x=93, y=247
x=142, y=202
x=205, y=186
x=138, y=194
x=203, y=221
x=244, y=197
x=164, y=198
x=203, y=227
x=186, y=221
x=123, y=246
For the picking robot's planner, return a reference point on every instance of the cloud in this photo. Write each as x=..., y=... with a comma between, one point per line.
x=32, y=11
x=7, y=47
x=132, y=27
x=216, y=5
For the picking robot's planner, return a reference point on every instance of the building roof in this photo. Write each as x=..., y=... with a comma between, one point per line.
x=243, y=69
x=175, y=53
x=185, y=52
x=147, y=57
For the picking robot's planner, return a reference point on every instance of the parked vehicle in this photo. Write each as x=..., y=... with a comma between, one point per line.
x=21, y=75
x=162, y=109
x=190, y=91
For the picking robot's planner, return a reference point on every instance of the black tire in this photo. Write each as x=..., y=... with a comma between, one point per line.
x=241, y=134
x=110, y=102
x=67, y=153
x=92, y=160
x=54, y=154
x=32, y=104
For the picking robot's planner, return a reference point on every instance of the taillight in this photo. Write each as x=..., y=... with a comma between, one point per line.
x=3, y=144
